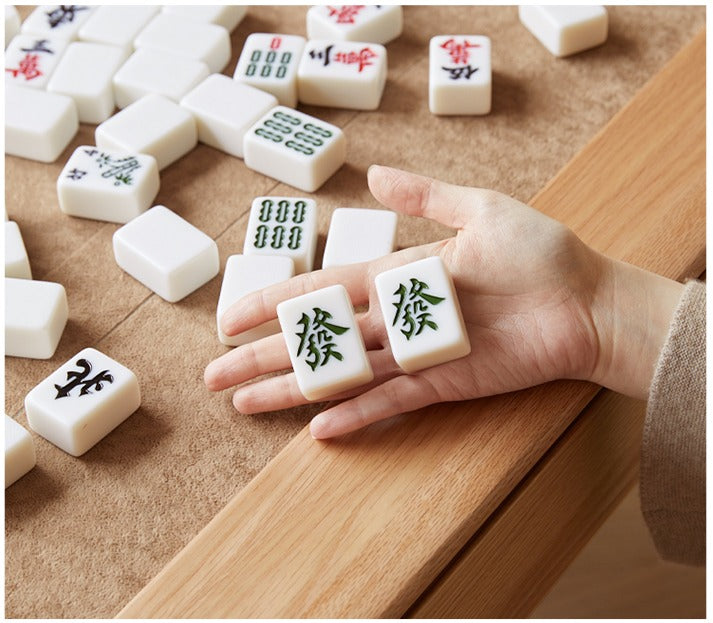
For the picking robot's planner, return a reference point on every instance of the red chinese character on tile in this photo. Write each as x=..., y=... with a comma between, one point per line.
x=28, y=67
x=361, y=58
x=345, y=14
x=459, y=51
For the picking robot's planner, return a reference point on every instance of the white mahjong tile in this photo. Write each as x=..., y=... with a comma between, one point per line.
x=35, y=316
x=359, y=235
x=20, y=455
x=225, y=110
x=151, y=125
x=566, y=30
x=422, y=315
x=107, y=185
x=295, y=148
x=283, y=226
x=227, y=16
x=38, y=125
x=460, y=77
x=61, y=20
x=342, y=74
x=154, y=71
x=30, y=60
x=84, y=73
x=17, y=264
x=373, y=23
x=117, y=25
x=324, y=342
x=269, y=62
x=198, y=40
x=82, y=401
x=166, y=253
x=245, y=274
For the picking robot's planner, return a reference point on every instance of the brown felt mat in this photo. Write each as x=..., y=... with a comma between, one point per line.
x=83, y=535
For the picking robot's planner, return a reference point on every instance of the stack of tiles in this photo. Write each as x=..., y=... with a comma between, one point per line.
x=295, y=148
x=106, y=185
x=225, y=110
x=245, y=274
x=62, y=20
x=372, y=23
x=166, y=253
x=36, y=313
x=342, y=74
x=460, y=77
x=269, y=62
x=85, y=74
x=324, y=343
x=155, y=71
x=285, y=226
x=82, y=401
x=19, y=451
x=116, y=25
x=186, y=37
x=30, y=60
x=566, y=30
x=17, y=264
x=423, y=320
x=38, y=125
x=358, y=235
x=151, y=125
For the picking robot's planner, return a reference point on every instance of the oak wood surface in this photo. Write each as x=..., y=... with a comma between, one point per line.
x=360, y=527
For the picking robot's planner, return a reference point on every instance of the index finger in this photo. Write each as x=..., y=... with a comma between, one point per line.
x=258, y=307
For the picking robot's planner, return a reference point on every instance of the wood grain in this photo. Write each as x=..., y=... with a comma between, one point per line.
x=360, y=527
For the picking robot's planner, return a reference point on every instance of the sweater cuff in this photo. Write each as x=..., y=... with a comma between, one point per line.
x=673, y=452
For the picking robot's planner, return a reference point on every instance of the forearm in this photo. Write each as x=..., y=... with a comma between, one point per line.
x=632, y=312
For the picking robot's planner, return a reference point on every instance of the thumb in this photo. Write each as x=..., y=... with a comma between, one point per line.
x=415, y=195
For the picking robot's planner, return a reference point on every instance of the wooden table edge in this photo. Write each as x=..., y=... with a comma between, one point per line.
x=148, y=604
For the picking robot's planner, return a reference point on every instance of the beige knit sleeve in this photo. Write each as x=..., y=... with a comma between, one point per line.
x=673, y=453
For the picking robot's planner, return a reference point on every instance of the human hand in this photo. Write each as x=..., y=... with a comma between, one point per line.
x=537, y=302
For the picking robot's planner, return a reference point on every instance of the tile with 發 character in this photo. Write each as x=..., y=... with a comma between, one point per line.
x=107, y=185
x=324, y=342
x=269, y=62
x=295, y=148
x=460, y=76
x=422, y=315
x=342, y=74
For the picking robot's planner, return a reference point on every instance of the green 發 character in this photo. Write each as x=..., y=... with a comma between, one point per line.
x=317, y=338
x=412, y=308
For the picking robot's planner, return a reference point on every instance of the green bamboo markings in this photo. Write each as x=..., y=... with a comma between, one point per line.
x=317, y=344
x=413, y=308
x=304, y=137
x=283, y=226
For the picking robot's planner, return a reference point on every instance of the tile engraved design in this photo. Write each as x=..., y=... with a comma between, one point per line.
x=317, y=338
x=412, y=308
x=78, y=378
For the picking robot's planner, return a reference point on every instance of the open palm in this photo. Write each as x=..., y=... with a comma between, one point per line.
x=524, y=281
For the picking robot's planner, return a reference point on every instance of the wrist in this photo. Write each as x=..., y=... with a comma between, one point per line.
x=632, y=313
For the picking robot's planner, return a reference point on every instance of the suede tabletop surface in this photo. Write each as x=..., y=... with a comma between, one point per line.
x=84, y=535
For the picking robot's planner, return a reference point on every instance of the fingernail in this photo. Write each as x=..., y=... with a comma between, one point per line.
x=317, y=426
